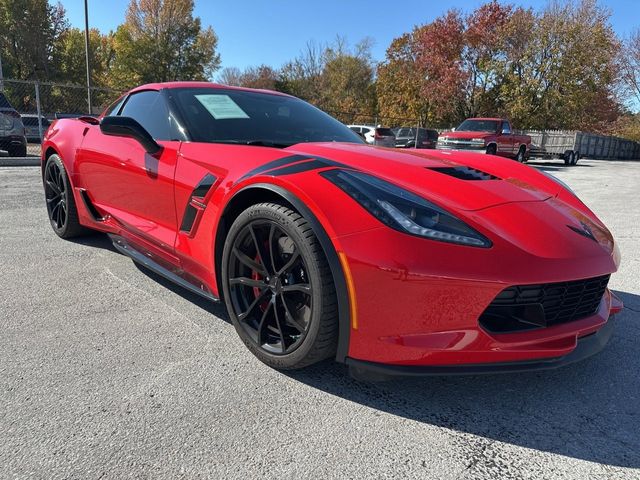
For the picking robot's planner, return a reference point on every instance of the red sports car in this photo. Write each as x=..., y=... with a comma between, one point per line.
x=409, y=262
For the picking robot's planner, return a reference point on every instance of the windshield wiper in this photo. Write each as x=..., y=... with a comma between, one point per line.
x=268, y=143
x=257, y=143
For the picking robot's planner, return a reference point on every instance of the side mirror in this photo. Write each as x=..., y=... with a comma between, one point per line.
x=453, y=129
x=128, y=127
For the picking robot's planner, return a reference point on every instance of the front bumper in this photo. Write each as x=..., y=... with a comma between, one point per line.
x=585, y=347
x=463, y=146
x=419, y=303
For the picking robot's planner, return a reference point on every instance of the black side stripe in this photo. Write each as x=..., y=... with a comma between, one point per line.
x=280, y=162
x=195, y=204
x=300, y=167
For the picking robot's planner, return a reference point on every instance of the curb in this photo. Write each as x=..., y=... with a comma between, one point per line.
x=19, y=161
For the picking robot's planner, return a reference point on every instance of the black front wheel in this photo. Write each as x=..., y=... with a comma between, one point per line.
x=491, y=150
x=278, y=287
x=61, y=205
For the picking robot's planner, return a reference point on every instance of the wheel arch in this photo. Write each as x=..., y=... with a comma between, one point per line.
x=47, y=153
x=264, y=192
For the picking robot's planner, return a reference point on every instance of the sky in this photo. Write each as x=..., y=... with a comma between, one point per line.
x=254, y=32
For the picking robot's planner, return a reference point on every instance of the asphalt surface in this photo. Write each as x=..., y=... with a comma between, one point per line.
x=108, y=372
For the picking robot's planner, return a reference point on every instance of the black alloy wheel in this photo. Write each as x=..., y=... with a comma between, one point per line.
x=61, y=206
x=278, y=287
x=55, y=192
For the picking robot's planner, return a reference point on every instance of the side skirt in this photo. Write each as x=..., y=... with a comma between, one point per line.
x=122, y=246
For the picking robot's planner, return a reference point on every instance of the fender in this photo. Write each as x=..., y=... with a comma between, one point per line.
x=344, y=316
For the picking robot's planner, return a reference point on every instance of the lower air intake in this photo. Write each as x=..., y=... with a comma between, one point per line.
x=525, y=307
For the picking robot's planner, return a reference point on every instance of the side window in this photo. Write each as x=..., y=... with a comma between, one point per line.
x=366, y=130
x=115, y=106
x=150, y=110
x=506, y=128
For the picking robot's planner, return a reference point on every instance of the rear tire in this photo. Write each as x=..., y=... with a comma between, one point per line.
x=278, y=288
x=568, y=157
x=61, y=205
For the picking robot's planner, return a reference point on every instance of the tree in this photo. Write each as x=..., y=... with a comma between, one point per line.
x=630, y=66
x=482, y=42
x=560, y=71
x=421, y=77
x=30, y=32
x=553, y=69
x=72, y=57
x=160, y=41
x=346, y=82
x=231, y=76
x=302, y=75
x=333, y=77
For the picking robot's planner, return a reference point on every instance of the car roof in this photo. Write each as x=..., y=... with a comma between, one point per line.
x=214, y=86
x=488, y=118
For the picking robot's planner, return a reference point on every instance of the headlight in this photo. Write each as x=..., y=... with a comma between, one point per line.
x=558, y=181
x=403, y=210
x=478, y=140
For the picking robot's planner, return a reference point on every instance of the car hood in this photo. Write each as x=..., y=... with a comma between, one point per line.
x=458, y=180
x=466, y=135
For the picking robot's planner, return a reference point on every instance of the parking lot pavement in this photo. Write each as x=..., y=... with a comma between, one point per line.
x=108, y=372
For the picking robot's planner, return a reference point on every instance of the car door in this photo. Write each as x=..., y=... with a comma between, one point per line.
x=505, y=142
x=122, y=179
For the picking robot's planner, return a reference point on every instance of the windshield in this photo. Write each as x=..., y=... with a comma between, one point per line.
x=254, y=118
x=478, y=126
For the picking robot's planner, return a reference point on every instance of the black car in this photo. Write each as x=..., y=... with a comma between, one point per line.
x=406, y=137
x=12, y=133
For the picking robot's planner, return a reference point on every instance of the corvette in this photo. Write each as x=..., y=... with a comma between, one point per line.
x=393, y=262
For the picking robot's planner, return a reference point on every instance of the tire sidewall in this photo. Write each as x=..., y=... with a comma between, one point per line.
x=270, y=212
x=67, y=192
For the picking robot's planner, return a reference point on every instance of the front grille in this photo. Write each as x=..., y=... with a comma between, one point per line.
x=524, y=307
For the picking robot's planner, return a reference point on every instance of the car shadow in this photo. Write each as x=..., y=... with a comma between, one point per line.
x=556, y=166
x=588, y=410
x=215, y=308
x=96, y=240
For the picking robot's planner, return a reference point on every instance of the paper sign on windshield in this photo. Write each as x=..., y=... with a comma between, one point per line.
x=221, y=106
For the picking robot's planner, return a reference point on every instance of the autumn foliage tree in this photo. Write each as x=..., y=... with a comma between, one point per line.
x=553, y=69
x=161, y=40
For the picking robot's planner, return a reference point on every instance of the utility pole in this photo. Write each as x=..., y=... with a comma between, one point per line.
x=86, y=46
x=1, y=76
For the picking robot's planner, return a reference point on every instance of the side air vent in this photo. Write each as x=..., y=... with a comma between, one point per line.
x=196, y=205
x=464, y=173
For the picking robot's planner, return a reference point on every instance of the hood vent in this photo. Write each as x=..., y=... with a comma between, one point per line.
x=464, y=173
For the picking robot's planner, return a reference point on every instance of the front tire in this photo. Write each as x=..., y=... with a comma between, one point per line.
x=492, y=150
x=521, y=157
x=278, y=288
x=61, y=206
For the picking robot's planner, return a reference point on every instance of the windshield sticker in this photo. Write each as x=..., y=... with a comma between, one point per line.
x=221, y=107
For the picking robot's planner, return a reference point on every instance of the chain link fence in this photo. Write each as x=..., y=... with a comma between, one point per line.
x=41, y=102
